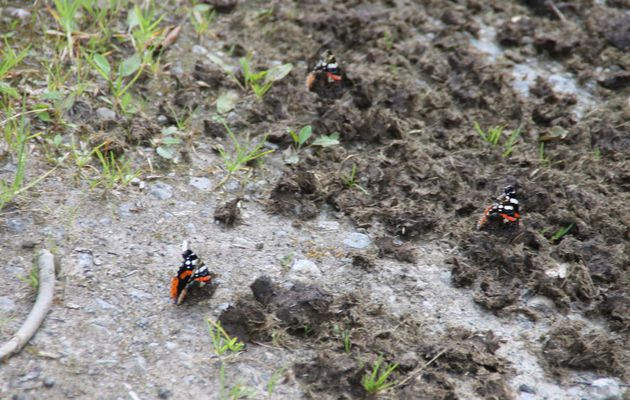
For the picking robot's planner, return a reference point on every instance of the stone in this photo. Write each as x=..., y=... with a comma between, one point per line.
x=526, y=389
x=164, y=393
x=200, y=183
x=357, y=240
x=17, y=225
x=328, y=226
x=7, y=305
x=605, y=389
x=161, y=191
x=197, y=49
x=106, y=114
x=104, y=305
x=140, y=294
x=49, y=382
x=305, y=270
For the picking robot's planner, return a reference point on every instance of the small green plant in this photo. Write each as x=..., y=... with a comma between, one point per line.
x=238, y=391
x=375, y=381
x=65, y=15
x=347, y=343
x=543, y=159
x=168, y=144
x=560, y=233
x=9, y=59
x=221, y=341
x=17, y=136
x=260, y=82
x=351, y=180
x=241, y=155
x=299, y=139
x=118, y=82
x=275, y=377
x=201, y=16
x=494, y=134
x=145, y=31
x=114, y=171
x=327, y=140
x=32, y=279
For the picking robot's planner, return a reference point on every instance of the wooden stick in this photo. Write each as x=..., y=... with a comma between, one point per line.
x=46, y=264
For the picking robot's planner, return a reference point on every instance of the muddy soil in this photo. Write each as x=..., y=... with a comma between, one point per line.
x=363, y=251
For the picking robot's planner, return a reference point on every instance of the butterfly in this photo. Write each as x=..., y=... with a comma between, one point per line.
x=192, y=273
x=504, y=209
x=326, y=72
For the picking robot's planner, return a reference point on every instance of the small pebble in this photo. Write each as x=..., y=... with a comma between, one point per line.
x=106, y=114
x=357, y=240
x=526, y=389
x=161, y=191
x=164, y=393
x=49, y=382
x=200, y=183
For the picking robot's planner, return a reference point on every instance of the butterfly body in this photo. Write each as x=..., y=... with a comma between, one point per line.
x=505, y=210
x=192, y=273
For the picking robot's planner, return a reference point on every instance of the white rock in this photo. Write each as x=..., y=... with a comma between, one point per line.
x=305, y=271
x=605, y=389
x=328, y=226
x=200, y=183
x=357, y=240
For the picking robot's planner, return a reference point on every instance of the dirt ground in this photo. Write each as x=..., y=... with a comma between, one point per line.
x=360, y=251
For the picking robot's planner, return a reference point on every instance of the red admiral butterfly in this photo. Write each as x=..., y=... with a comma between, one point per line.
x=192, y=273
x=504, y=209
x=326, y=77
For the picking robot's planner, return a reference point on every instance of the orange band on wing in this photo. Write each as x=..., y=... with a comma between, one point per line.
x=203, y=279
x=174, y=284
x=333, y=76
x=509, y=218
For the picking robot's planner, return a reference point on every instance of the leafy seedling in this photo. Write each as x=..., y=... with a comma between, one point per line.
x=241, y=156
x=557, y=236
x=221, y=341
x=168, y=145
x=494, y=134
x=201, y=16
x=8, y=60
x=351, y=180
x=120, y=80
x=260, y=82
x=114, y=171
x=377, y=380
x=327, y=141
x=299, y=139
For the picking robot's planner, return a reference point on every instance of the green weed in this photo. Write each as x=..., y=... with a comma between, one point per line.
x=114, y=171
x=65, y=13
x=221, y=341
x=494, y=134
x=260, y=82
x=241, y=156
x=32, y=279
x=238, y=391
x=543, y=159
x=560, y=233
x=275, y=377
x=118, y=82
x=8, y=60
x=299, y=139
x=201, y=16
x=145, y=31
x=351, y=180
x=375, y=381
x=347, y=343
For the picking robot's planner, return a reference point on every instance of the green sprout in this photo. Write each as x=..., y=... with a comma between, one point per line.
x=221, y=341
x=118, y=84
x=494, y=134
x=560, y=233
x=201, y=16
x=351, y=180
x=114, y=171
x=260, y=82
x=374, y=382
x=9, y=59
x=241, y=155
